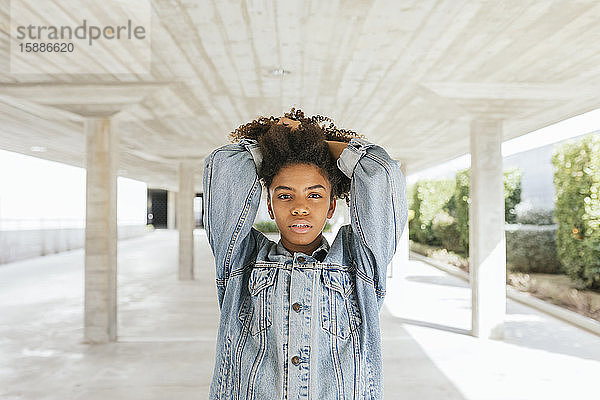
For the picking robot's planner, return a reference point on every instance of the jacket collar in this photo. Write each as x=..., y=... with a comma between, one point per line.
x=319, y=253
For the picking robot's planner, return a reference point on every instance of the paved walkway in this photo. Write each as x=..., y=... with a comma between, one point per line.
x=167, y=332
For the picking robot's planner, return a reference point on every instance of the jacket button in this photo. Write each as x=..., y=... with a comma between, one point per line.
x=301, y=259
x=297, y=307
x=295, y=360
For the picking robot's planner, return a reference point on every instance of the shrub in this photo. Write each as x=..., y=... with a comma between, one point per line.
x=461, y=205
x=440, y=254
x=413, y=205
x=429, y=198
x=445, y=228
x=411, y=215
x=577, y=210
x=512, y=194
x=462, y=199
x=526, y=213
x=266, y=226
x=532, y=248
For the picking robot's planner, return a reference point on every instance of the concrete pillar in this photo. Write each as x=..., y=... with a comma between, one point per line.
x=400, y=259
x=171, y=206
x=185, y=220
x=487, y=245
x=100, y=321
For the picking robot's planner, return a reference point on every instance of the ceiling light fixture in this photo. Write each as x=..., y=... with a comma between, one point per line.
x=279, y=71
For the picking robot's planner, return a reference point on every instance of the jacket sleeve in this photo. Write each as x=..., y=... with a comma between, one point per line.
x=231, y=197
x=378, y=208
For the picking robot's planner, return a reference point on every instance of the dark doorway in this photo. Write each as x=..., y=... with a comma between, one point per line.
x=198, y=210
x=157, y=208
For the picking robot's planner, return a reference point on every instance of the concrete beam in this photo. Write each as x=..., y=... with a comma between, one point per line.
x=101, y=231
x=185, y=219
x=512, y=91
x=487, y=245
x=96, y=96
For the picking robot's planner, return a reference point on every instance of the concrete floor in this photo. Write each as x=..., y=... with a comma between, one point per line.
x=167, y=332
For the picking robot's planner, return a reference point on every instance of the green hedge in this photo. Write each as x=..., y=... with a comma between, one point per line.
x=577, y=209
x=445, y=228
x=460, y=203
x=410, y=199
x=532, y=248
x=266, y=226
x=512, y=194
x=440, y=209
x=428, y=199
x=529, y=214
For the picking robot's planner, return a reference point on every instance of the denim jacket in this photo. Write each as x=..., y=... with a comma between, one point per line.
x=301, y=326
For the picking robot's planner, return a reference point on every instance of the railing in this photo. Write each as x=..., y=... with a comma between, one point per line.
x=17, y=224
x=26, y=238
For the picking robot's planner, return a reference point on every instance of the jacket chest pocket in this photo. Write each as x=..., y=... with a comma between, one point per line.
x=340, y=314
x=256, y=312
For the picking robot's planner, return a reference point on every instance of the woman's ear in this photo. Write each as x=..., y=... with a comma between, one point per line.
x=332, y=205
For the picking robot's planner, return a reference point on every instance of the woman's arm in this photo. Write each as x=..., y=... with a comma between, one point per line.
x=231, y=198
x=378, y=206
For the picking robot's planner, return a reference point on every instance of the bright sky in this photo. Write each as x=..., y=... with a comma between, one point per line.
x=568, y=128
x=34, y=189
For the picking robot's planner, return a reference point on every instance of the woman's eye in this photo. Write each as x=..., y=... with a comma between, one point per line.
x=316, y=194
x=281, y=196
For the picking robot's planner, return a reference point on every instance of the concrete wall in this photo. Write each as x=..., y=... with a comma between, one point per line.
x=27, y=243
x=537, y=186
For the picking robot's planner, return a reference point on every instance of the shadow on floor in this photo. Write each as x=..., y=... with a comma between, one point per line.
x=409, y=373
x=435, y=326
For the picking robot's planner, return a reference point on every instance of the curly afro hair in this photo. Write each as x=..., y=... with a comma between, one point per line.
x=282, y=145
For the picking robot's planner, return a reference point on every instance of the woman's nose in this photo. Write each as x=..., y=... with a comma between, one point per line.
x=299, y=210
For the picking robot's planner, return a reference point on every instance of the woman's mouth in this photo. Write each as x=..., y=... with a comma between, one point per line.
x=300, y=228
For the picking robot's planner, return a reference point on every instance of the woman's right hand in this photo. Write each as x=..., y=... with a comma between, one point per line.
x=336, y=148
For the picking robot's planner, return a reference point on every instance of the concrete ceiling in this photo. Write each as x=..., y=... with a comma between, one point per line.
x=410, y=75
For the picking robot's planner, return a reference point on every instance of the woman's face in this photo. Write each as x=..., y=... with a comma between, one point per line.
x=300, y=202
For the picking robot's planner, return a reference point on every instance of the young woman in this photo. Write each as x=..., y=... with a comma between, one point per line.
x=300, y=318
